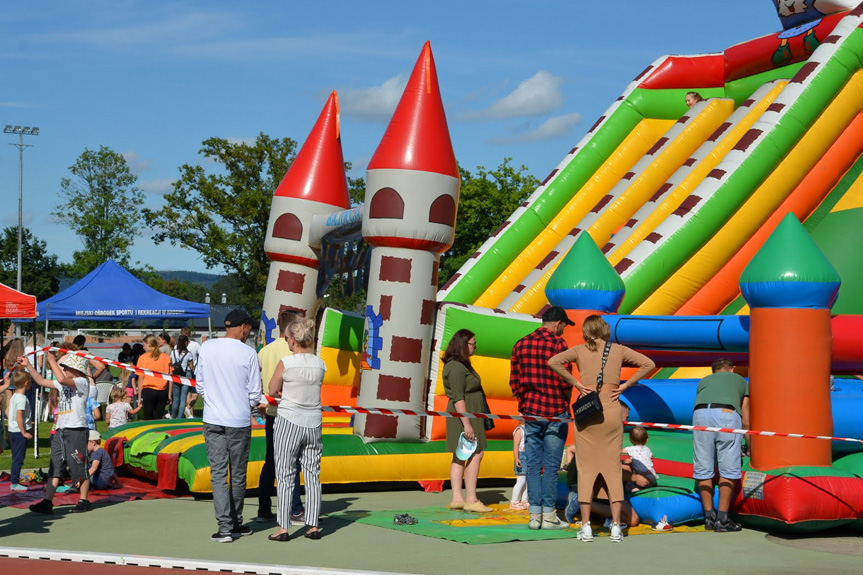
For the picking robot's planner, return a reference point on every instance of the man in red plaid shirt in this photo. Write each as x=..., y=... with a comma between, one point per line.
x=542, y=393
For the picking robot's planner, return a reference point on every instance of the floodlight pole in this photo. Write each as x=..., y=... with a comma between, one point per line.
x=21, y=131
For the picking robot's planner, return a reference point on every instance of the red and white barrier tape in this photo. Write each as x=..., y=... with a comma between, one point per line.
x=382, y=411
x=739, y=431
x=125, y=366
x=456, y=414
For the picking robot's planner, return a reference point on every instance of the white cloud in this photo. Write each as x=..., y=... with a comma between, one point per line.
x=550, y=129
x=136, y=163
x=156, y=187
x=554, y=127
x=375, y=103
x=538, y=95
x=248, y=141
x=211, y=35
x=157, y=28
x=358, y=166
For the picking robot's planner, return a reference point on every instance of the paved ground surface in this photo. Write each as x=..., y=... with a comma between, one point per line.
x=181, y=528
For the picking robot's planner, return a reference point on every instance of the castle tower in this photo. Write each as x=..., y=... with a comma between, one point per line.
x=790, y=286
x=409, y=214
x=314, y=184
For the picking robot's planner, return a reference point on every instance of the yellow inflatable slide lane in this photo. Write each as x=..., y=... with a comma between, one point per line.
x=686, y=281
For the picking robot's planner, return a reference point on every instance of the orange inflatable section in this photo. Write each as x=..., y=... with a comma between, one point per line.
x=802, y=388
x=723, y=287
x=338, y=395
x=574, y=335
x=502, y=429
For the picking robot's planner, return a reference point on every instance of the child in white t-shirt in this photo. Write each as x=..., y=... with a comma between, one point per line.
x=118, y=411
x=638, y=471
x=519, y=501
x=69, y=444
x=20, y=424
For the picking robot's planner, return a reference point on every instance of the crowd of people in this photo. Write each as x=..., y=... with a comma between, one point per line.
x=601, y=474
x=280, y=386
x=228, y=378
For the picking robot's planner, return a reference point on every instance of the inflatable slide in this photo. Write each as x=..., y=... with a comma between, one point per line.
x=671, y=202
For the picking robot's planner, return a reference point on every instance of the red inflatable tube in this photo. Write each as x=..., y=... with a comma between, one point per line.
x=739, y=61
x=791, y=498
x=703, y=71
x=754, y=57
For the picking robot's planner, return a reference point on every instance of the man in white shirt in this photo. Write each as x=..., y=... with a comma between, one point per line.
x=229, y=381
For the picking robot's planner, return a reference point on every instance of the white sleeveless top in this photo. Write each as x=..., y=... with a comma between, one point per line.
x=301, y=389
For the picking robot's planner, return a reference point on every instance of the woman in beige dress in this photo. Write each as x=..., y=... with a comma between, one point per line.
x=598, y=441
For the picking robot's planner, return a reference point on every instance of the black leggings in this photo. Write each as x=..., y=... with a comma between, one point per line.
x=154, y=402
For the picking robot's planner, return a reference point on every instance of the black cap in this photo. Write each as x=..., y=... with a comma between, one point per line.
x=556, y=313
x=238, y=317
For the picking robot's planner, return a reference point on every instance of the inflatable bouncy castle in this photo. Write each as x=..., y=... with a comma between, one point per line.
x=717, y=230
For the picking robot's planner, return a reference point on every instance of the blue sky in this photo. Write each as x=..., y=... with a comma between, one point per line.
x=153, y=79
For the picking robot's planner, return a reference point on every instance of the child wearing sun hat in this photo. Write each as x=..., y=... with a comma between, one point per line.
x=69, y=444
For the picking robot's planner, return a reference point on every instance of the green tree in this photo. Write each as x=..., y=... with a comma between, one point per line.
x=40, y=272
x=100, y=206
x=223, y=216
x=229, y=286
x=486, y=200
x=356, y=187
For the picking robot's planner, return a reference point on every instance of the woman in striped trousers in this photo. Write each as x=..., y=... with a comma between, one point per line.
x=297, y=434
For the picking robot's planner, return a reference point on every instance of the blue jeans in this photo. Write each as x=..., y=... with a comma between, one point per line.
x=178, y=401
x=543, y=451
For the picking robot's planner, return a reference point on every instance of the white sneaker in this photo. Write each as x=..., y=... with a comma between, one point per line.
x=585, y=533
x=550, y=520
x=616, y=533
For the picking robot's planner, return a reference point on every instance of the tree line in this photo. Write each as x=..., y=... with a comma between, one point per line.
x=220, y=212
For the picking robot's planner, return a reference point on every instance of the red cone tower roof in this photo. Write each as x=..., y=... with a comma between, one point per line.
x=318, y=171
x=417, y=137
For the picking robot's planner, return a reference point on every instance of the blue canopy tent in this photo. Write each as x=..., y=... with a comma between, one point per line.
x=111, y=293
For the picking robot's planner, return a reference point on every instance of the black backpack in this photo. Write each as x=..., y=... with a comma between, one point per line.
x=177, y=366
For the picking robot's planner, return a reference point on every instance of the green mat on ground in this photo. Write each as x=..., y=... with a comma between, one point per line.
x=499, y=526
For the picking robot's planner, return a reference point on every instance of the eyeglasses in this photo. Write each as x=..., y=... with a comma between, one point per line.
x=472, y=343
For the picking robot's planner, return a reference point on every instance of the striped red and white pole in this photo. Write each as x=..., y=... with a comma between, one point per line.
x=125, y=366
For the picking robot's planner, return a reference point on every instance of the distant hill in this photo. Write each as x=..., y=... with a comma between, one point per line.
x=204, y=279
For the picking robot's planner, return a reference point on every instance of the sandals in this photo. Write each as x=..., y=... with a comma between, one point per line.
x=280, y=537
x=315, y=535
